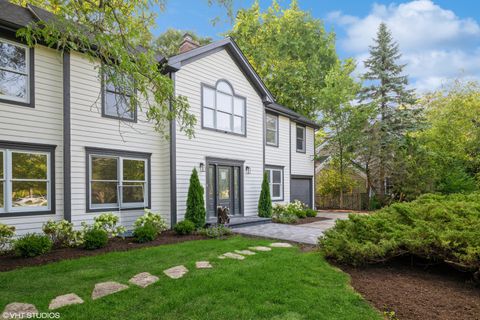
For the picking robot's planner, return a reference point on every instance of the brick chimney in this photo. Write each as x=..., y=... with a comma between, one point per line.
x=188, y=43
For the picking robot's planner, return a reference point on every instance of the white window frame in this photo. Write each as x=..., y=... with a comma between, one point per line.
x=275, y=143
x=119, y=205
x=215, y=109
x=271, y=183
x=8, y=183
x=304, y=138
x=27, y=73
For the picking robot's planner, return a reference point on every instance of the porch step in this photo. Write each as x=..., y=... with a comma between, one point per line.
x=236, y=222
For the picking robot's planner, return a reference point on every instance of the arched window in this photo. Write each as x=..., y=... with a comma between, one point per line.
x=222, y=109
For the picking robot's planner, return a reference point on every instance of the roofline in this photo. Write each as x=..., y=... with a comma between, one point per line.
x=181, y=59
x=279, y=109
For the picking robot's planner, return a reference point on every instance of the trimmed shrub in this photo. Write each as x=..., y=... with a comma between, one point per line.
x=108, y=223
x=195, y=201
x=218, y=231
x=31, y=245
x=265, y=200
x=95, y=238
x=310, y=212
x=62, y=234
x=433, y=227
x=6, y=235
x=152, y=218
x=145, y=233
x=184, y=227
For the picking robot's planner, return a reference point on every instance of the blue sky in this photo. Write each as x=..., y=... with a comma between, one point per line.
x=439, y=39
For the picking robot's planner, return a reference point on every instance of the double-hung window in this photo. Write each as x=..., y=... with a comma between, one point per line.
x=272, y=130
x=301, y=139
x=26, y=179
x=275, y=181
x=222, y=109
x=117, y=180
x=117, y=99
x=15, y=72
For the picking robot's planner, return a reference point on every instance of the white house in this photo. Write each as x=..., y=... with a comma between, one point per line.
x=67, y=153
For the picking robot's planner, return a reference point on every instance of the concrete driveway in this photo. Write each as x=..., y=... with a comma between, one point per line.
x=305, y=233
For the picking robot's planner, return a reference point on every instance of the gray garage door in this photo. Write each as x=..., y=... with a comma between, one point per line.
x=301, y=189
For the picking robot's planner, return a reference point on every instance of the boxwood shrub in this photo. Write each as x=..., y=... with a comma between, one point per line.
x=31, y=245
x=145, y=233
x=95, y=238
x=435, y=227
x=184, y=227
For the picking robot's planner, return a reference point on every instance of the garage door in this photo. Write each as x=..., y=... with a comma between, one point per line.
x=301, y=189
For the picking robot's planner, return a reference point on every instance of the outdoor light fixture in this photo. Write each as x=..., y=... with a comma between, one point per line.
x=202, y=167
x=247, y=169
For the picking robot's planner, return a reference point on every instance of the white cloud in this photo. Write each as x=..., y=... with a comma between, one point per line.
x=436, y=44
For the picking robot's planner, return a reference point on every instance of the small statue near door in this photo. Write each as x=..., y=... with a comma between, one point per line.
x=223, y=216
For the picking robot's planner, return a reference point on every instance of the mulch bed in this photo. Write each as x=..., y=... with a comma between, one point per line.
x=415, y=292
x=310, y=220
x=10, y=262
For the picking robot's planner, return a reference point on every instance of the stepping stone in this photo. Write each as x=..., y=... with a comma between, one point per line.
x=260, y=248
x=176, y=272
x=17, y=310
x=222, y=257
x=235, y=256
x=203, y=265
x=280, y=245
x=245, y=252
x=106, y=288
x=65, y=300
x=143, y=279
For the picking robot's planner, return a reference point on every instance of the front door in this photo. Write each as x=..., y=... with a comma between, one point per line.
x=224, y=185
x=224, y=189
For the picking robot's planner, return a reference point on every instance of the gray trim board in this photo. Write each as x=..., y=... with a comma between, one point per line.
x=35, y=147
x=290, y=153
x=118, y=153
x=173, y=164
x=67, y=151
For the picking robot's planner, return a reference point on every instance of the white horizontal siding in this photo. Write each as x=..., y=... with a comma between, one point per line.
x=302, y=163
x=207, y=143
x=280, y=156
x=43, y=125
x=90, y=129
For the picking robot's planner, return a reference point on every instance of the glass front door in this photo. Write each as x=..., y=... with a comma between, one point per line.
x=223, y=189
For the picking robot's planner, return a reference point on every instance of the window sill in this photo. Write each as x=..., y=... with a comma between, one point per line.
x=26, y=213
x=116, y=209
x=226, y=132
x=17, y=103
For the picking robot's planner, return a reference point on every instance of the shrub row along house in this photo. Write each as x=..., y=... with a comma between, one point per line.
x=67, y=154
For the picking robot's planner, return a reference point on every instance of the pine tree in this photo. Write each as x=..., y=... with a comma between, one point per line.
x=265, y=201
x=195, y=202
x=391, y=101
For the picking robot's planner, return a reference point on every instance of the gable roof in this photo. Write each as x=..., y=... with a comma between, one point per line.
x=232, y=48
x=177, y=61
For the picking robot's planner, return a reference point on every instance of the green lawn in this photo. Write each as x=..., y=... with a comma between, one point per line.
x=281, y=284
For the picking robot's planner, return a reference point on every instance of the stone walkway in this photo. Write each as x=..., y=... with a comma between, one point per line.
x=143, y=280
x=305, y=233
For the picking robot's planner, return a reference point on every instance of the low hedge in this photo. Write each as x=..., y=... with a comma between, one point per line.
x=435, y=227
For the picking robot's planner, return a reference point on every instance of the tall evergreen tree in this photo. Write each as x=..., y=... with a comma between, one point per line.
x=392, y=102
x=195, y=201
x=265, y=201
